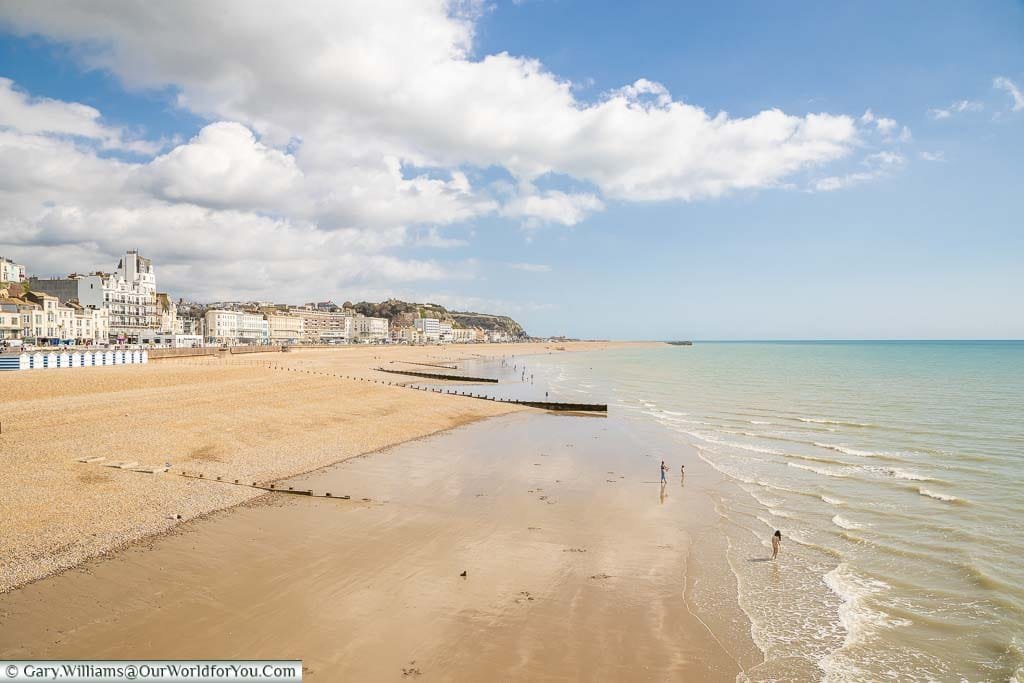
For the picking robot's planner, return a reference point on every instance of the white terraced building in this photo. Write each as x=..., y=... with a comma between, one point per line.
x=236, y=327
x=11, y=271
x=129, y=294
x=369, y=329
x=286, y=328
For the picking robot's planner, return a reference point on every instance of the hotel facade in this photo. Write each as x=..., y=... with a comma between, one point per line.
x=128, y=295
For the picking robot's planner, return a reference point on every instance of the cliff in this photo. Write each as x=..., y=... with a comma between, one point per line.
x=402, y=314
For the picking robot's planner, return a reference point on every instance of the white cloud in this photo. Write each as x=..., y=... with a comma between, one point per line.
x=885, y=126
x=1004, y=83
x=341, y=131
x=54, y=193
x=636, y=91
x=884, y=158
x=397, y=79
x=531, y=267
x=832, y=183
x=552, y=206
x=957, y=107
x=933, y=156
x=40, y=115
x=224, y=166
x=432, y=237
x=879, y=164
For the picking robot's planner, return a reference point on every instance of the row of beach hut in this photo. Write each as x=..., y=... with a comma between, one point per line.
x=73, y=359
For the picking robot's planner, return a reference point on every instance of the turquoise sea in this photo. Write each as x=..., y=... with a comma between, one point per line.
x=895, y=471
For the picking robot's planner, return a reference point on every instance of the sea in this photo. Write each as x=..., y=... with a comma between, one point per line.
x=893, y=469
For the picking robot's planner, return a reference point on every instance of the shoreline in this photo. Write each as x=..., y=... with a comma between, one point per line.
x=553, y=544
x=73, y=526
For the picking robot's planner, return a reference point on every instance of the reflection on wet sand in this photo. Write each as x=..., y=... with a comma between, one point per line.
x=567, y=574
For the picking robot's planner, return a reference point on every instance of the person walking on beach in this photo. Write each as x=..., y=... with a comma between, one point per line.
x=776, y=542
x=664, y=469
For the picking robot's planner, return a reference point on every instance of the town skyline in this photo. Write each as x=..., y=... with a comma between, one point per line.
x=125, y=307
x=548, y=161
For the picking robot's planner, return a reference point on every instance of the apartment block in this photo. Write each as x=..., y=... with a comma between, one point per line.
x=286, y=328
x=10, y=317
x=11, y=271
x=373, y=330
x=129, y=294
x=464, y=335
x=430, y=328
x=236, y=327
x=322, y=326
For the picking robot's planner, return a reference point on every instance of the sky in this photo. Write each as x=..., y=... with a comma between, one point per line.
x=660, y=170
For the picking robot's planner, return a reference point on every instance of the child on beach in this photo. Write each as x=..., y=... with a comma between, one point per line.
x=664, y=469
x=776, y=542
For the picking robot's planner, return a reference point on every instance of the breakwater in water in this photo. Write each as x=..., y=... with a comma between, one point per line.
x=439, y=375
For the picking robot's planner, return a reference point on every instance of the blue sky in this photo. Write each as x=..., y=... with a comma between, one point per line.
x=478, y=183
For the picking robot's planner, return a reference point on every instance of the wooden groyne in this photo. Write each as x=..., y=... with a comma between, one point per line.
x=429, y=365
x=133, y=466
x=271, y=488
x=438, y=375
x=568, y=407
x=543, y=405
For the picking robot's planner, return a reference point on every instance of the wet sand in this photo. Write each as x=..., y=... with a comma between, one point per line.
x=245, y=417
x=579, y=565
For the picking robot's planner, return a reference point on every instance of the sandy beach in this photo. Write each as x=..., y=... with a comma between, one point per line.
x=578, y=566
x=234, y=418
x=578, y=563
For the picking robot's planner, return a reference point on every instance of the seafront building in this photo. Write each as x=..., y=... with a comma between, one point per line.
x=124, y=307
x=235, y=328
x=168, y=312
x=429, y=328
x=53, y=322
x=192, y=326
x=128, y=294
x=85, y=326
x=46, y=327
x=464, y=335
x=321, y=325
x=370, y=330
x=10, y=316
x=11, y=271
x=286, y=328
x=41, y=318
x=407, y=335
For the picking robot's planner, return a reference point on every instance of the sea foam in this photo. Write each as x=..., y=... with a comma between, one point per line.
x=816, y=470
x=844, y=523
x=841, y=423
x=854, y=590
x=945, y=497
